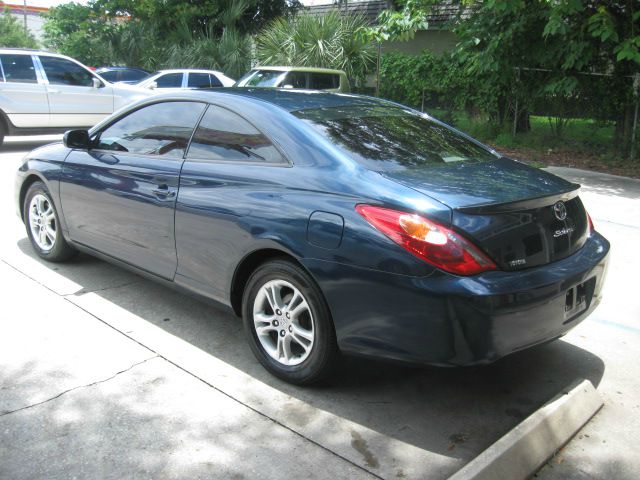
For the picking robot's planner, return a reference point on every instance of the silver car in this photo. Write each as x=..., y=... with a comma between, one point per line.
x=42, y=92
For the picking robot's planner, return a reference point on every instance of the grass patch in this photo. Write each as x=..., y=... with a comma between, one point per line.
x=579, y=133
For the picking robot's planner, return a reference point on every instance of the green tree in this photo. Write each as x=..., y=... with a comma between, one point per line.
x=13, y=34
x=395, y=26
x=517, y=55
x=329, y=41
x=161, y=33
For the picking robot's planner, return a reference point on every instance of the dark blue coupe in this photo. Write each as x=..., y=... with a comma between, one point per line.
x=330, y=223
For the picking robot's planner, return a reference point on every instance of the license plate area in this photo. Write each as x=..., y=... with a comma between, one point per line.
x=577, y=299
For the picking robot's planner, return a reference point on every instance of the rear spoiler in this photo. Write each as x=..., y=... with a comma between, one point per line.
x=520, y=205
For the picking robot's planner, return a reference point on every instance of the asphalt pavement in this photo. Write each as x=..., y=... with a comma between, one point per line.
x=104, y=374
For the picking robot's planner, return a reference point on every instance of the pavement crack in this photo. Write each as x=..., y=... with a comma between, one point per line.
x=79, y=386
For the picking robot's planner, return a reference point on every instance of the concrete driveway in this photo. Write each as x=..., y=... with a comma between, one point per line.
x=107, y=375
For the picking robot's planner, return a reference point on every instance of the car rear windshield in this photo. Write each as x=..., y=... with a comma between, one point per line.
x=385, y=138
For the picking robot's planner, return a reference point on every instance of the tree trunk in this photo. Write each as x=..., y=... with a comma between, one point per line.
x=624, y=130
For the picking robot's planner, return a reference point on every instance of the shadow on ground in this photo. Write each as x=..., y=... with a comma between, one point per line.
x=451, y=412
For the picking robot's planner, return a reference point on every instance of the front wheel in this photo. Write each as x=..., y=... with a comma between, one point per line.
x=43, y=226
x=288, y=324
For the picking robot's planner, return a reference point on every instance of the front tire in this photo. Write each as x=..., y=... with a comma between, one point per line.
x=288, y=324
x=43, y=227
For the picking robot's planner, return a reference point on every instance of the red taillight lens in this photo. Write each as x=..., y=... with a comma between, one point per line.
x=428, y=240
x=591, y=228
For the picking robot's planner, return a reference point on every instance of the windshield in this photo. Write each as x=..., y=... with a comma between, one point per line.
x=384, y=138
x=261, y=78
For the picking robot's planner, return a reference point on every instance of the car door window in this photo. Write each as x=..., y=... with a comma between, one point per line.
x=215, y=82
x=323, y=81
x=296, y=80
x=224, y=136
x=159, y=129
x=60, y=71
x=170, y=80
x=199, y=80
x=18, y=68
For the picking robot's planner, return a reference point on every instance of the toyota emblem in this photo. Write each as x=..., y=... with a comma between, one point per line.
x=560, y=210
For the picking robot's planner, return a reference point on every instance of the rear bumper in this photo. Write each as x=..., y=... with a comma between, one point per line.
x=447, y=320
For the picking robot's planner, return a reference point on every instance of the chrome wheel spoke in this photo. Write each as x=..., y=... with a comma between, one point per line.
x=284, y=349
x=301, y=308
x=265, y=329
x=299, y=332
x=263, y=317
x=274, y=298
x=43, y=237
x=50, y=232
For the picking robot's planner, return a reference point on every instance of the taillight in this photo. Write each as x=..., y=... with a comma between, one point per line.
x=591, y=228
x=428, y=240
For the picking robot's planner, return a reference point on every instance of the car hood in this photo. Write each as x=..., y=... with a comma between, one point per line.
x=491, y=182
x=120, y=87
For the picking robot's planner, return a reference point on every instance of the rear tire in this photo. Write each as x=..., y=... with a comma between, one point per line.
x=43, y=226
x=288, y=324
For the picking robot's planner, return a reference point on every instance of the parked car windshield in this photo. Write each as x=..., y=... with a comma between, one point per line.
x=261, y=78
x=384, y=138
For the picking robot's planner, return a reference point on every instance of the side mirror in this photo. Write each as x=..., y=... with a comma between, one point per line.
x=97, y=83
x=152, y=85
x=77, y=139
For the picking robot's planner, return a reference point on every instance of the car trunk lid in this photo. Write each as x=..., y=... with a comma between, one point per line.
x=520, y=216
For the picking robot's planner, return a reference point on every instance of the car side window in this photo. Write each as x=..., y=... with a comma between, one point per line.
x=224, y=136
x=323, y=81
x=215, y=81
x=199, y=80
x=18, y=69
x=60, y=71
x=158, y=129
x=296, y=80
x=170, y=80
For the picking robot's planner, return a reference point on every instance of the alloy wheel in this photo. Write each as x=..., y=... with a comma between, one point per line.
x=42, y=222
x=283, y=322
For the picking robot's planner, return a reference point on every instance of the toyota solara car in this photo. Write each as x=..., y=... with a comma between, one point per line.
x=330, y=223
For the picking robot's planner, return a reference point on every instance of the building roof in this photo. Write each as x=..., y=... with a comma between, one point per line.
x=440, y=16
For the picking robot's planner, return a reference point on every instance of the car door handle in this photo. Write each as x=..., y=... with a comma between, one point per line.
x=163, y=192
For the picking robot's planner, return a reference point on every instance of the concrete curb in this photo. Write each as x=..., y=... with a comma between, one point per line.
x=523, y=450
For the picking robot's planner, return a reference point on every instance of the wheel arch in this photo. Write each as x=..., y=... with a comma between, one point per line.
x=248, y=265
x=28, y=181
x=5, y=123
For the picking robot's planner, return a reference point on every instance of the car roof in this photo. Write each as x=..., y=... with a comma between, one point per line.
x=120, y=68
x=30, y=51
x=293, y=99
x=299, y=69
x=190, y=70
